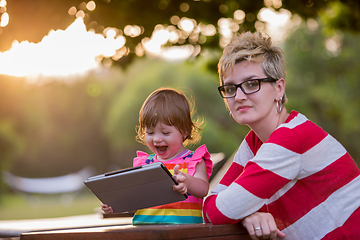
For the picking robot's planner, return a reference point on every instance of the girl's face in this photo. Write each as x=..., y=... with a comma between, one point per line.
x=165, y=141
x=256, y=108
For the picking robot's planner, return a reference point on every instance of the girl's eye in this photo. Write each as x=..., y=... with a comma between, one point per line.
x=149, y=133
x=166, y=133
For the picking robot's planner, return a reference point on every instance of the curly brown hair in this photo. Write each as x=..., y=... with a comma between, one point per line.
x=170, y=107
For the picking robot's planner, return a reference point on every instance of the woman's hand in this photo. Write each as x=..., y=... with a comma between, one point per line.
x=107, y=209
x=261, y=225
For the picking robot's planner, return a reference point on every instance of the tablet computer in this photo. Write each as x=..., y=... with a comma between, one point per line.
x=135, y=188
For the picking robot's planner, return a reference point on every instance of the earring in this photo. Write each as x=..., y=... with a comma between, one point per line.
x=232, y=117
x=279, y=105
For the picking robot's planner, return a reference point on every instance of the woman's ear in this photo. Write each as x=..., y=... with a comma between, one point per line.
x=280, y=88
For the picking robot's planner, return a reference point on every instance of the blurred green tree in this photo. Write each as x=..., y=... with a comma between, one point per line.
x=198, y=83
x=10, y=143
x=31, y=20
x=59, y=125
x=65, y=127
x=323, y=82
x=92, y=121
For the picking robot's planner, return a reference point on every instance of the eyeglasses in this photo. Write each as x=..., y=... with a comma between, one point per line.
x=247, y=87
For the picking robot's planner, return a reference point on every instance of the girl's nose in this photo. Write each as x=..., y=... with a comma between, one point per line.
x=157, y=138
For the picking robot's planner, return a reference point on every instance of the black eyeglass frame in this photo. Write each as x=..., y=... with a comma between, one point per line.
x=222, y=90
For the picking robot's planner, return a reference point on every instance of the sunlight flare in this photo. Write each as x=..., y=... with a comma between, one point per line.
x=278, y=22
x=61, y=53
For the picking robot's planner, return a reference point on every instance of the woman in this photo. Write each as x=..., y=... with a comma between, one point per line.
x=288, y=174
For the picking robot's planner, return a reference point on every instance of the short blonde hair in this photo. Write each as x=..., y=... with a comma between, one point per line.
x=171, y=107
x=256, y=47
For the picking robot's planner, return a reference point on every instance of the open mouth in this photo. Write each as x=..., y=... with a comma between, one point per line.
x=161, y=149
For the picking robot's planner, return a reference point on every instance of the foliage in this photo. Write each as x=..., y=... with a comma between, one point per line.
x=10, y=143
x=92, y=121
x=323, y=84
x=31, y=20
x=58, y=124
x=195, y=80
x=343, y=15
x=16, y=206
x=64, y=127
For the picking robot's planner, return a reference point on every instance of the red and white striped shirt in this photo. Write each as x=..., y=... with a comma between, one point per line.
x=301, y=175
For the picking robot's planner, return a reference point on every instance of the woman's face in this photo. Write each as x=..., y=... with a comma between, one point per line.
x=252, y=109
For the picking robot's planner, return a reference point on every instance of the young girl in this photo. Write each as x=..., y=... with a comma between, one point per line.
x=165, y=127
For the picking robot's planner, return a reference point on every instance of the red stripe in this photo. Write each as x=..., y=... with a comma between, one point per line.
x=301, y=133
x=260, y=182
x=349, y=230
x=309, y=192
x=171, y=166
x=293, y=114
x=253, y=141
x=179, y=205
x=232, y=173
x=211, y=211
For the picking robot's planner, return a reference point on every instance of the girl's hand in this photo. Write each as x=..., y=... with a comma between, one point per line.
x=182, y=179
x=107, y=209
x=197, y=185
x=261, y=225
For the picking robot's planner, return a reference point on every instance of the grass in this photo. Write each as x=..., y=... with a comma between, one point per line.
x=16, y=206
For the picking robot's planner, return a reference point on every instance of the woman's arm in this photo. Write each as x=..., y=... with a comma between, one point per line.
x=217, y=217
x=271, y=169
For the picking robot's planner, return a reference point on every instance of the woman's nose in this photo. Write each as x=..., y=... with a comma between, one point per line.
x=240, y=95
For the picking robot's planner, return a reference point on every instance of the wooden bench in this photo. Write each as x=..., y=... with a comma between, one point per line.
x=129, y=232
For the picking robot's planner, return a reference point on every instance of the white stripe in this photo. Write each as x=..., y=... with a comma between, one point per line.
x=281, y=192
x=320, y=156
x=187, y=151
x=244, y=154
x=327, y=216
x=298, y=120
x=219, y=187
x=278, y=160
x=236, y=203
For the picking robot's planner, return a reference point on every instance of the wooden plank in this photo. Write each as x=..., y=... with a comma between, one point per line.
x=119, y=215
x=168, y=232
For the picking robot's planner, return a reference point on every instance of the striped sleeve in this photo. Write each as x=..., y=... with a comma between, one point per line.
x=257, y=183
x=275, y=164
x=242, y=156
x=302, y=176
